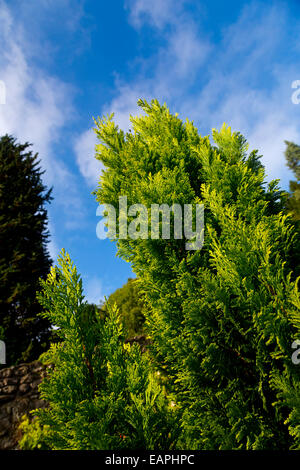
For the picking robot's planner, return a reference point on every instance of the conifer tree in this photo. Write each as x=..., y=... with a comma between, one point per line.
x=23, y=253
x=102, y=393
x=222, y=319
x=292, y=155
x=129, y=301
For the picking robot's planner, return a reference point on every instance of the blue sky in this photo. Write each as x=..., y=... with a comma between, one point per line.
x=65, y=61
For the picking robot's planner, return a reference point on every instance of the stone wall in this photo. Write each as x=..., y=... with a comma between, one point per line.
x=18, y=395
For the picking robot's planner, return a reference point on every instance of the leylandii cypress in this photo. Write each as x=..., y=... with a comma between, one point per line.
x=222, y=319
x=102, y=393
x=24, y=257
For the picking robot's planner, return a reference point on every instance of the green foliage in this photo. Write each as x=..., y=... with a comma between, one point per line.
x=23, y=254
x=33, y=434
x=129, y=302
x=222, y=320
x=102, y=393
x=292, y=155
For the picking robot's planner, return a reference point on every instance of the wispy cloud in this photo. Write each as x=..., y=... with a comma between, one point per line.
x=93, y=290
x=84, y=147
x=249, y=86
x=53, y=247
x=37, y=109
x=155, y=12
x=173, y=65
x=243, y=80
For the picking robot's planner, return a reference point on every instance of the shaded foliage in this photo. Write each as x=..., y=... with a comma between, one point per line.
x=292, y=155
x=23, y=252
x=130, y=304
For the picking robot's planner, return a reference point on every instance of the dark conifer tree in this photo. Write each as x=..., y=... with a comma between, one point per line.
x=23, y=251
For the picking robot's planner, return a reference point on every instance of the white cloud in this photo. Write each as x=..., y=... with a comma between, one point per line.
x=125, y=104
x=173, y=66
x=241, y=80
x=235, y=89
x=94, y=291
x=89, y=166
x=186, y=50
x=52, y=245
x=243, y=91
x=37, y=109
x=36, y=104
x=157, y=12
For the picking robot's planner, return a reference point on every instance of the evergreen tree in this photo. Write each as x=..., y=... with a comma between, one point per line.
x=23, y=254
x=222, y=319
x=129, y=302
x=102, y=394
x=292, y=155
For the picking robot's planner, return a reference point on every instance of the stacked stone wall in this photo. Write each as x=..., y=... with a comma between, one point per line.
x=18, y=395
